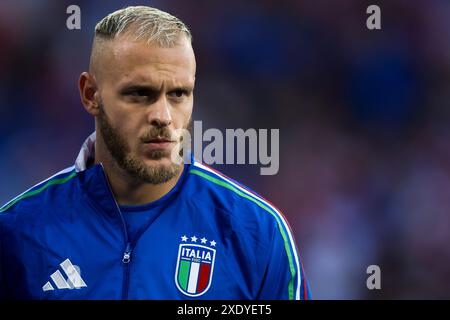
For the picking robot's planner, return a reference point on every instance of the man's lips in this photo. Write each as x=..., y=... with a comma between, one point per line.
x=158, y=143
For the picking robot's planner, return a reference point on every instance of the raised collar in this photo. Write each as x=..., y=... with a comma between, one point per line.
x=86, y=154
x=95, y=184
x=93, y=180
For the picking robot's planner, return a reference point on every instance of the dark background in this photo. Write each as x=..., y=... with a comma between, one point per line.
x=363, y=116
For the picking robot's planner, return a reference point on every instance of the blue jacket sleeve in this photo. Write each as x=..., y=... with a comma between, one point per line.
x=284, y=277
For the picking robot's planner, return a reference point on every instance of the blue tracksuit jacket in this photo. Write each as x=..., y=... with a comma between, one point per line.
x=66, y=238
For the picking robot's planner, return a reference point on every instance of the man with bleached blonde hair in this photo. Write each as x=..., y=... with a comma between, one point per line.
x=126, y=222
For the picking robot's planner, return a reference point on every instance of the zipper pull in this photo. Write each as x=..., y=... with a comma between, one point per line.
x=127, y=254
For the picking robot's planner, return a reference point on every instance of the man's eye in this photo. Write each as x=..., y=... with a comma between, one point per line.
x=138, y=93
x=178, y=93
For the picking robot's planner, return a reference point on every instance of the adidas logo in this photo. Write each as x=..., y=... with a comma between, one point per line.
x=73, y=280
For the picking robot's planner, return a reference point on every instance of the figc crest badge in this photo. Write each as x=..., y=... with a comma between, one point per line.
x=195, y=265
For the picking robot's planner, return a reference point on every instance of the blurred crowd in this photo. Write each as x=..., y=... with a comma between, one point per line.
x=363, y=116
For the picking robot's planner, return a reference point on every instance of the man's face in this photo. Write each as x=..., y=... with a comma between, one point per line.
x=146, y=93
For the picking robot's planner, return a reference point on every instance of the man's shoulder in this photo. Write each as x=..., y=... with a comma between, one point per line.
x=218, y=190
x=36, y=197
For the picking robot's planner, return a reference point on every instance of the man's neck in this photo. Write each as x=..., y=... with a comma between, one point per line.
x=127, y=190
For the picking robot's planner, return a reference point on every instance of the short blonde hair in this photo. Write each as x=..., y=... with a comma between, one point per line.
x=144, y=23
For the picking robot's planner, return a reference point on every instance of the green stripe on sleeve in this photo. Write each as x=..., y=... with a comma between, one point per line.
x=37, y=191
x=263, y=206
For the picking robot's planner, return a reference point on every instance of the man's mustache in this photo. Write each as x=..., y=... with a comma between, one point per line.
x=159, y=133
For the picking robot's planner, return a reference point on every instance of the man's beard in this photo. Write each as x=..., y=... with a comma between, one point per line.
x=120, y=151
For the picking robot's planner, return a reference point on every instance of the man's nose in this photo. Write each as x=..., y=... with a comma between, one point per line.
x=160, y=115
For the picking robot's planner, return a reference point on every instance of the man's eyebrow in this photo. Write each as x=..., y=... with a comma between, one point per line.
x=135, y=87
x=187, y=88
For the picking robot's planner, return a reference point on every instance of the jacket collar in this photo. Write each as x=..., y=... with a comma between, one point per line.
x=93, y=180
x=86, y=154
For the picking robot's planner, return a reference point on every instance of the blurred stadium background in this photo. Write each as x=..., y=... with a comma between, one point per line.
x=364, y=121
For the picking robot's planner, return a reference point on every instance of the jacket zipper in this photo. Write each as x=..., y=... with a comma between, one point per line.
x=126, y=258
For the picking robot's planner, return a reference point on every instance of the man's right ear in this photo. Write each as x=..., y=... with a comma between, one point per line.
x=87, y=86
